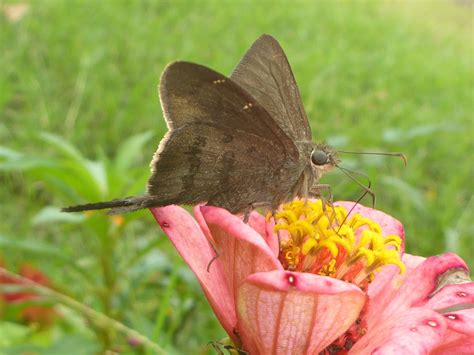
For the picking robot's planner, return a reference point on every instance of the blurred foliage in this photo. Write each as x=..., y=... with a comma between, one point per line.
x=118, y=268
x=374, y=76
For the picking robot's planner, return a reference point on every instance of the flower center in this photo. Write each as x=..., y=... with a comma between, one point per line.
x=323, y=239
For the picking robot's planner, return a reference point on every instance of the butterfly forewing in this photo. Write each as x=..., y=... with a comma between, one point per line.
x=235, y=143
x=223, y=146
x=264, y=72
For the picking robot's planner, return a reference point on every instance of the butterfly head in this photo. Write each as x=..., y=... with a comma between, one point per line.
x=323, y=158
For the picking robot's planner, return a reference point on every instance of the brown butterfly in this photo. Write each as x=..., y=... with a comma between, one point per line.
x=238, y=143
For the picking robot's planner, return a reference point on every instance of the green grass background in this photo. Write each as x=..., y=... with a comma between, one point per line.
x=374, y=76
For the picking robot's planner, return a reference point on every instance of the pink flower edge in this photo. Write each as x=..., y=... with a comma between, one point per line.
x=281, y=311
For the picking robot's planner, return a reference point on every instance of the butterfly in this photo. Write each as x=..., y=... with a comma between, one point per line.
x=238, y=143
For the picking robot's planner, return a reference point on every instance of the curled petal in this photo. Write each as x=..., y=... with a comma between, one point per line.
x=265, y=228
x=412, y=262
x=417, y=287
x=196, y=251
x=456, y=303
x=242, y=251
x=285, y=312
x=202, y=223
x=451, y=296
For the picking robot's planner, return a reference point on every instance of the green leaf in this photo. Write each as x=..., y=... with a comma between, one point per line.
x=61, y=145
x=410, y=193
x=72, y=177
x=129, y=151
x=12, y=333
x=45, y=250
x=9, y=153
x=54, y=215
x=98, y=173
x=64, y=345
x=432, y=128
x=90, y=172
x=30, y=246
x=397, y=135
x=22, y=162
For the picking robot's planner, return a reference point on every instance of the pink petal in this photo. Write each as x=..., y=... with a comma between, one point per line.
x=388, y=224
x=282, y=312
x=461, y=323
x=416, y=287
x=412, y=262
x=272, y=237
x=456, y=343
x=388, y=280
x=258, y=223
x=450, y=301
x=384, y=287
x=413, y=332
x=202, y=223
x=386, y=284
x=265, y=229
x=451, y=295
x=242, y=251
x=192, y=245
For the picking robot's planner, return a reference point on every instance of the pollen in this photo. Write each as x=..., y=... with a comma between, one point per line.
x=324, y=239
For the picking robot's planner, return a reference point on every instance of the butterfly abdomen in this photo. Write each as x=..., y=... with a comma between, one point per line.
x=132, y=203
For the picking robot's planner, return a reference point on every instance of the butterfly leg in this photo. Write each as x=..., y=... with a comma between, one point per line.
x=214, y=258
x=247, y=216
x=316, y=191
x=252, y=207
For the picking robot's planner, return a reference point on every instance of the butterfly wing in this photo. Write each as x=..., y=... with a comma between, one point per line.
x=222, y=146
x=264, y=72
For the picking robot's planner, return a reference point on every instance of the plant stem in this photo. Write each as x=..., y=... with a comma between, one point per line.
x=98, y=318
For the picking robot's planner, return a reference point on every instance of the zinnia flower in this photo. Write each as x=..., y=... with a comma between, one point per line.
x=323, y=281
x=35, y=310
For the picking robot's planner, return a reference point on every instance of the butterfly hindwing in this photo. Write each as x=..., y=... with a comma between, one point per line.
x=222, y=147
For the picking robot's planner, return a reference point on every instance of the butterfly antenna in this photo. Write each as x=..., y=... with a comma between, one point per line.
x=367, y=189
x=399, y=155
x=352, y=209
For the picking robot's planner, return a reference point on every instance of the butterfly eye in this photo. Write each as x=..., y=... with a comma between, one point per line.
x=319, y=157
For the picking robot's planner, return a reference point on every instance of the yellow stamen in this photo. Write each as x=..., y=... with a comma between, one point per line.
x=322, y=238
x=329, y=269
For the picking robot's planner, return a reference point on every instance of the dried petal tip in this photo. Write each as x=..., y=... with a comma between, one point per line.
x=324, y=240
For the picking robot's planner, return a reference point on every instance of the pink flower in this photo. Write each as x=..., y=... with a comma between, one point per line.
x=306, y=290
x=41, y=313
